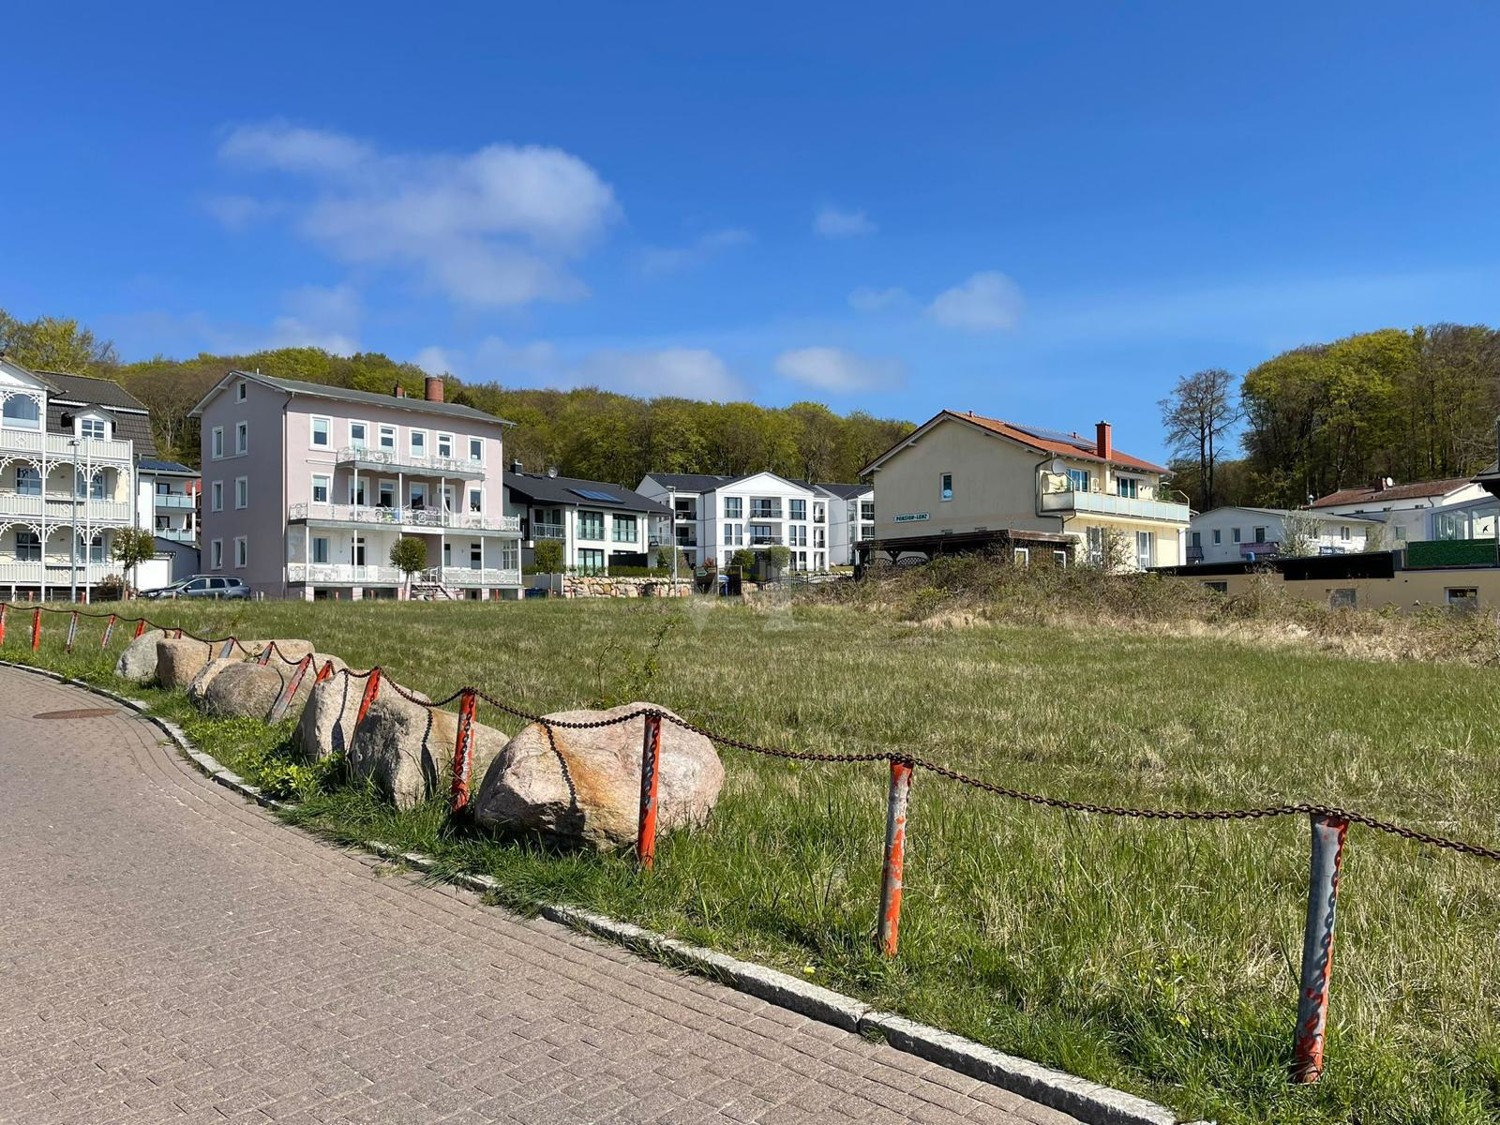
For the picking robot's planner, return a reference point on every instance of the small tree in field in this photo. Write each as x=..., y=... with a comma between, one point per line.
x=131, y=548
x=548, y=556
x=744, y=558
x=778, y=557
x=1299, y=535
x=409, y=555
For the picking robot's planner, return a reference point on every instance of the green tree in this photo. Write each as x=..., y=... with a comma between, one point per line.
x=132, y=547
x=51, y=343
x=744, y=559
x=778, y=557
x=409, y=556
x=548, y=556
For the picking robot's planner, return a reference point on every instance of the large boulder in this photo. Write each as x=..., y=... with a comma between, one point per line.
x=248, y=690
x=327, y=724
x=197, y=691
x=406, y=749
x=289, y=649
x=178, y=662
x=138, y=662
x=584, y=785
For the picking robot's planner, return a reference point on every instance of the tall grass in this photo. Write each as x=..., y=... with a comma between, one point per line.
x=1158, y=957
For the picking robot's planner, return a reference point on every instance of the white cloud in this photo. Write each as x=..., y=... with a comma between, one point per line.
x=493, y=227
x=672, y=259
x=837, y=370
x=834, y=223
x=987, y=302
x=675, y=372
x=867, y=300
x=239, y=211
x=319, y=318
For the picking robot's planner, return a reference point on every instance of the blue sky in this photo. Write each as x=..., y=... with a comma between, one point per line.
x=1043, y=215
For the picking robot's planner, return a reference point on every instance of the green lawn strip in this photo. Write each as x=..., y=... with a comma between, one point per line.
x=1157, y=957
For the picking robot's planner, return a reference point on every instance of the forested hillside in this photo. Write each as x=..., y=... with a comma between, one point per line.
x=584, y=432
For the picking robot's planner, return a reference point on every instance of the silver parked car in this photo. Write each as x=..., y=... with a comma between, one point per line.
x=202, y=586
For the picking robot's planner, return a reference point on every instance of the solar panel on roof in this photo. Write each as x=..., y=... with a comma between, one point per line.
x=595, y=494
x=1057, y=435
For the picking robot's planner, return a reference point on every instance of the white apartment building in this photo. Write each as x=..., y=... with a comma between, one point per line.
x=716, y=516
x=1240, y=534
x=1458, y=508
x=307, y=487
x=67, y=456
x=851, y=519
x=167, y=499
x=598, y=524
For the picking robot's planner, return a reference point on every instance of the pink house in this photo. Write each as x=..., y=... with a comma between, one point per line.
x=306, y=488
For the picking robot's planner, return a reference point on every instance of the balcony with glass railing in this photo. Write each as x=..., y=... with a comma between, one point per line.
x=406, y=518
x=1104, y=504
x=175, y=501
x=395, y=461
x=548, y=531
x=765, y=509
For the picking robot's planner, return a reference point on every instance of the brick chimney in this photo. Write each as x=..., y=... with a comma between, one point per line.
x=1103, y=441
x=434, y=388
x=399, y=391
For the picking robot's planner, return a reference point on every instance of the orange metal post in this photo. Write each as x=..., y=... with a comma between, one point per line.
x=72, y=631
x=36, y=629
x=1317, y=946
x=3, y=608
x=645, y=840
x=895, y=858
x=372, y=689
x=289, y=690
x=140, y=628
x=324, y=672
x=265, y=653
x=109, y=631
x=463, y=751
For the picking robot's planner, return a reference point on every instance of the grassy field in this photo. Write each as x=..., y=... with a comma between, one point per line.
x=1158, y=957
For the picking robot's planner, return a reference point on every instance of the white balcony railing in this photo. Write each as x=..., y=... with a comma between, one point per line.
x=398, y=462
x=92, y=450
x=176, y=500
x=1103, y=504
x=548, y=531
x=57, y=570
x=60, y=508
x=472, y=576
x=342, y=573
x=402, y=517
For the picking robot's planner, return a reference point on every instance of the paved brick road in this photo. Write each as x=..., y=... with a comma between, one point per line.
x=169, y=952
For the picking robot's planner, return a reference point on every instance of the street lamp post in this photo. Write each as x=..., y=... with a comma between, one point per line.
x=73, y=538
x=672, y=503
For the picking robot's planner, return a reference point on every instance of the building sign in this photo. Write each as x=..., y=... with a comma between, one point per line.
x=911, y=517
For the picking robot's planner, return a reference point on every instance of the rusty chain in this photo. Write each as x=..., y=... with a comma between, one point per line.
x=1041, y=800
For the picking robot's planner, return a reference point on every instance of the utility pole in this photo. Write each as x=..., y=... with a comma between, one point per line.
x=73, y=444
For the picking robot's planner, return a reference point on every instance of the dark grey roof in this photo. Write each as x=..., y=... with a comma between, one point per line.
x=95, y=392
x=845, y=491
x=128, y=425
x=540, y=489
x=369, y=398
x=152, y=465
x=692, y=482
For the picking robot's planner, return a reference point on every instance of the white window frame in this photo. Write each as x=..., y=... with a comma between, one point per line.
x=241, y=438
x=1022, y=556
x=216, y=496
x=216, y=554
x=327, y=479
x=358, y=443
x=411, y=495
x=241, y=493
x=92, y=418
x=359, y=491
x=312, y=432
x=241, y=390
x=216, y=443
x=395, y=489
x=473, y=508
x=241, y=552
x=1461, y=597
x=945, y=487
x=1218, y=536
x=382, y=432
x=449, y=439
x=326, y=542
x=479, y=443
x=413, y=437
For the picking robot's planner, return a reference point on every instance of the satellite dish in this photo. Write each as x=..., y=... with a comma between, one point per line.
x=1059, y=466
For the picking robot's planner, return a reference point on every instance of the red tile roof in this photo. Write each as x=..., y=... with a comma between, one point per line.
x=1414, y=491
x=1082, y=447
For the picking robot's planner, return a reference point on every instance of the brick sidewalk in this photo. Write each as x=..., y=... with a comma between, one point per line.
x=170, y=952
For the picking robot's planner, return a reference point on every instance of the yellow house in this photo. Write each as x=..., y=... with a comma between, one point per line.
x=965, y=482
